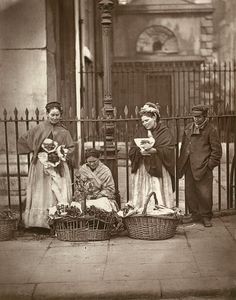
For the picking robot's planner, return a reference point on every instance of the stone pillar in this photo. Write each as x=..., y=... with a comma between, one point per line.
x=106, y=7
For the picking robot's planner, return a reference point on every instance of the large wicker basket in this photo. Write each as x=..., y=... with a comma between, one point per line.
x=7, y=229
x=86, y=228
x=151, y=227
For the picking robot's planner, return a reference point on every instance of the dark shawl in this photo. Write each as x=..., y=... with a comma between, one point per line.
x=165, y=155
x=32, y=139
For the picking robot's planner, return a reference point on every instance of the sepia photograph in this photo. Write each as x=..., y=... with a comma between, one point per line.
x=118, y=149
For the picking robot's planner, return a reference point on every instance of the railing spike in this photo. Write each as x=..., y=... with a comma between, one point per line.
x=126, y=110
x=93, y=113
x=115, y=112
x=82, y=112
x=5, y=113
x=27, y=113
x=37, y=112
x=16, y=113
x=167, y=110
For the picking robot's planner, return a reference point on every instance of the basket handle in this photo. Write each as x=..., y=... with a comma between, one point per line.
x=144, y=212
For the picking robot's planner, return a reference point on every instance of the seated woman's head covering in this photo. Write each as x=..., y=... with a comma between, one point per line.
x=92, y=152
x=150, y=109
x=53, y=104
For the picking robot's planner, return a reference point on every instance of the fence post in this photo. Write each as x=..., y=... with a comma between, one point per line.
x=106, y=7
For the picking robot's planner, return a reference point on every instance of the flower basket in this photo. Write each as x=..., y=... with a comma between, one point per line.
x=74, y=225
x=79, y=222
x=84, y=228
x=8, y=226
x=151, y=227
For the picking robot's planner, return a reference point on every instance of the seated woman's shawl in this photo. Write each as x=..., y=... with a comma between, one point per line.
x=165, y=155
x=101, y=178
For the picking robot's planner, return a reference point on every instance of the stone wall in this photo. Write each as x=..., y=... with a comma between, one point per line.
x=23, y=55
x=191, y=24
x=225, y=30
x=23, y=77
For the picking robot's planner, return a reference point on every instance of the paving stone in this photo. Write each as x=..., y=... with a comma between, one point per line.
x=66, y=273
x=154, y=256
x=19, y=274
x=201, y=232
x=75, y=255
x=211, y=244
x=211, y=286
x=57, y=243
x=24, y=244
x=100, y=290
x=19, y=292
x=151, y=271
x=12, y=258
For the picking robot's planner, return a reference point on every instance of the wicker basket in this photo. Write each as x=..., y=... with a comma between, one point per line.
x=86, y=228
x=7, y=229
x=149, y=227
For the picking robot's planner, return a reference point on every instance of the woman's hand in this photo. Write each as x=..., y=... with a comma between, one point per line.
x=151, y=151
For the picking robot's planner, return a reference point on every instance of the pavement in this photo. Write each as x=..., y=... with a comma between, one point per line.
x=197, y=262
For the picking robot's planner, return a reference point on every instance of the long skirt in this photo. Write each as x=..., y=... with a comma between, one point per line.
x=143, y=184
x=45, y=188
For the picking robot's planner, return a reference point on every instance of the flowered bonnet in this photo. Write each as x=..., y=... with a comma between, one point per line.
x=149, y=107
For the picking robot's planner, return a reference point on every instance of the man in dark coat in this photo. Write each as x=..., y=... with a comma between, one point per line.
x=200, y=153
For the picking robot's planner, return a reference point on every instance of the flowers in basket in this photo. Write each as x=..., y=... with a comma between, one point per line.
x=7, y=214
x=52, y=153
x=83, y=187
x=65, y=212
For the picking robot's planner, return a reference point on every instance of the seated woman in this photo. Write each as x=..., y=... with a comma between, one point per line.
x=102, y=193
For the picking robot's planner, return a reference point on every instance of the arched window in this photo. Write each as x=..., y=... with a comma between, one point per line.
x=157, y=39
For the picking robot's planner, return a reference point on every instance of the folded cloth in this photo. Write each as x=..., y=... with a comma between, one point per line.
x=156, y=210
x=102, y=203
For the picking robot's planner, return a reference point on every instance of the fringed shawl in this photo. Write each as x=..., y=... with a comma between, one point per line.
x=165, y=155
x=102, y=179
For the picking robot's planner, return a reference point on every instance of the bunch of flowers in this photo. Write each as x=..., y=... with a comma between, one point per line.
x=60, y=211
x=52, y=153
x=83, y=187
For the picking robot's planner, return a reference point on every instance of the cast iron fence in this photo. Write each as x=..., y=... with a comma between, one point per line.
x=176, y=86
x=14, y=167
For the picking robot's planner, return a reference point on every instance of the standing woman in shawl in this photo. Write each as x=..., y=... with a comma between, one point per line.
x=49, y=179
x=152, y=160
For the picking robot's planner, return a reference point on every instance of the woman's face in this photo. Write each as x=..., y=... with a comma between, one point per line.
x=54, y=116
x=148, y=122
x=92, y=162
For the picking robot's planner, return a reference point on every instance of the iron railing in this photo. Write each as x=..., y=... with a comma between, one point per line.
x=176, y=86
x=14, y=167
